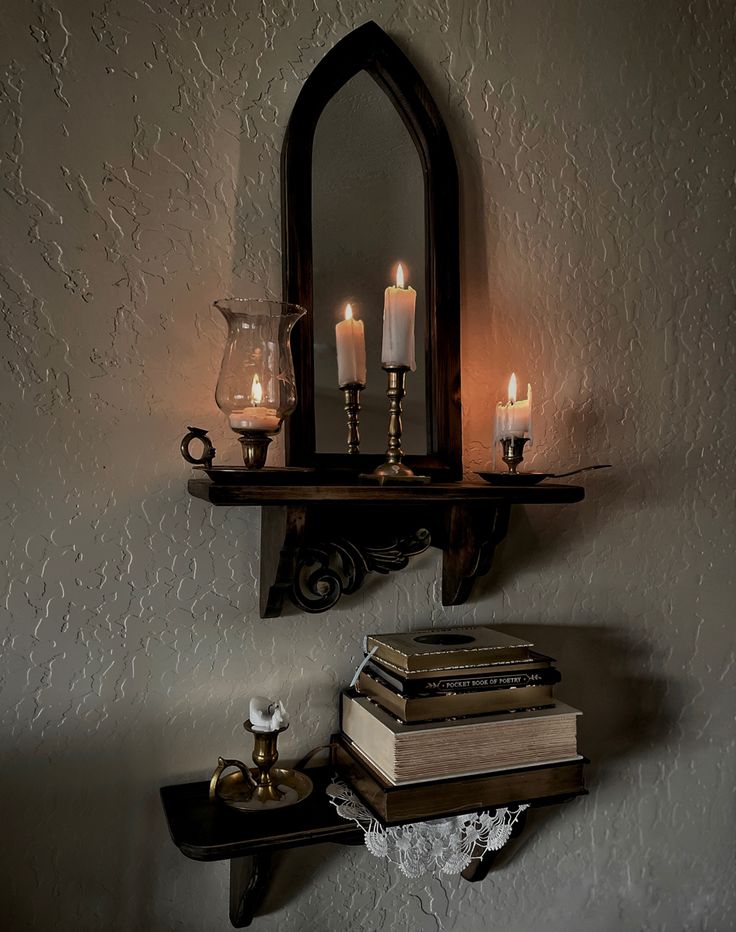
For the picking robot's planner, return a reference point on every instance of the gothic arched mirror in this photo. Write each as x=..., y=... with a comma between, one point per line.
x=369, y=180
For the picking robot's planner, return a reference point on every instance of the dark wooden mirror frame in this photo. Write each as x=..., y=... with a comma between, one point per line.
x=369, y=49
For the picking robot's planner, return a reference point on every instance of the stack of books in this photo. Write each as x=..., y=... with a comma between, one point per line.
x=445, y=721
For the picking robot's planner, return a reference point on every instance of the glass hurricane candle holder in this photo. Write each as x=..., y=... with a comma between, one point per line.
x=256, y=388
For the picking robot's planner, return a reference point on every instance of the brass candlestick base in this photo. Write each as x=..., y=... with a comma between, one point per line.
x=513, y=452
x=352, y=409
x=255, y=447
x=394, y=470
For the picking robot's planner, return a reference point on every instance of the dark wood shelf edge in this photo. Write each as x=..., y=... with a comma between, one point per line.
x=338, y=835
x=440, y=493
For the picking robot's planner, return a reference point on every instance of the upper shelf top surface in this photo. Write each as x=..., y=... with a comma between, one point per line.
x=355, y=493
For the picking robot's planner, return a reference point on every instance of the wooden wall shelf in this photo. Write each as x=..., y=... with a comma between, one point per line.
x=320, y=542
x=210, y=831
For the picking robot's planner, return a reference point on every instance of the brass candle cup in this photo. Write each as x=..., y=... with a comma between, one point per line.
x=254, y=444
x=513, y=452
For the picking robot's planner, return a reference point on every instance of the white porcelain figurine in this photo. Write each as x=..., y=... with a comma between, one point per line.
x=267, y=714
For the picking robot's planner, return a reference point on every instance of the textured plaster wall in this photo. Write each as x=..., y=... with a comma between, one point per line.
x=139, y=162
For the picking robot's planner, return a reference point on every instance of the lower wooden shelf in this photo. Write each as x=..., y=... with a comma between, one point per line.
x=211, y=831
x=204, y=830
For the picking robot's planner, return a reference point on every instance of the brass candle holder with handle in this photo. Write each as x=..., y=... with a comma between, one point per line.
x=251, y=789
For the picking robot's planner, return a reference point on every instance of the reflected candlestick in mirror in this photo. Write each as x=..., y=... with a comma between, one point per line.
x=256, y=416
x=350, y=343
x=398, y=325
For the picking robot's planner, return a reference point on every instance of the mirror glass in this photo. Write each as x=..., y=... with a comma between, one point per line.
x=367, y=216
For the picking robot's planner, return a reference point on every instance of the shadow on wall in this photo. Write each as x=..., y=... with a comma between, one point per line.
x=626, y=704
x=541, y=544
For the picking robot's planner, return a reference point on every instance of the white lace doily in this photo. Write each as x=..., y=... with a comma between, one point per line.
x=447, y=845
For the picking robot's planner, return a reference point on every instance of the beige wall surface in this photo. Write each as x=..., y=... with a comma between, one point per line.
x=140, y=180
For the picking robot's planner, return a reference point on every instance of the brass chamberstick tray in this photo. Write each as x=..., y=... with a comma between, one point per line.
x=235, y=791
x=239, y=475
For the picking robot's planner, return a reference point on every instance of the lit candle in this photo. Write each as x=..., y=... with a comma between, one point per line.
x=399, y=305
x=257, y=416
x=350, y=343
x=515, y=418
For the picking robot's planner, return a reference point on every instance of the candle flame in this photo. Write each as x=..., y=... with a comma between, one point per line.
x=400, y=276
x=256, y=392
x=512, y=389
x=348, y=312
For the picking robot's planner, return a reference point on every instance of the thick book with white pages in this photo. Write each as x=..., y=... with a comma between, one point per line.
x=453, y=748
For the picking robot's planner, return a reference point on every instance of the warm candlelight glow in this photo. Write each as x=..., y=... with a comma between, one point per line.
x=512, y=388
x=256, y=392
x=348, y=312
x=400, y=276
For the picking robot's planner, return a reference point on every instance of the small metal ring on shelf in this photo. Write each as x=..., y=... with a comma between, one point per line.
x=208, y=450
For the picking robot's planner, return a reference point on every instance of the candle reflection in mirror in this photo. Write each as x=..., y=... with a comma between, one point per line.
x=351, y=372
x=350, y=343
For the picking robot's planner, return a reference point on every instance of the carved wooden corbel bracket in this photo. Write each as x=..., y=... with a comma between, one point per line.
x=316, y=558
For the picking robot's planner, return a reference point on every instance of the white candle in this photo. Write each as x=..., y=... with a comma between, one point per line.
x=257, y=416
x=399, y=305
x=515, y=418
x=350, y=343
x=267, y=714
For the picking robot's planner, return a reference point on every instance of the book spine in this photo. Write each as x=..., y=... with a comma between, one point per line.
x=453, y=684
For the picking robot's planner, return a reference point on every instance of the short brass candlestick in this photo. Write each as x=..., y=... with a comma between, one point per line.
x=393, y=469
x=255, y=447
x=513, y=452
x=265, y=755
x=252, y=788
x=352, y=409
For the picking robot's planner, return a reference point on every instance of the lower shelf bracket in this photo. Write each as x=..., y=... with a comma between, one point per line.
x=249, y=879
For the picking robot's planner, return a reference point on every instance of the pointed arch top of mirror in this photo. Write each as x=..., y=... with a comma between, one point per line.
x=368, y=48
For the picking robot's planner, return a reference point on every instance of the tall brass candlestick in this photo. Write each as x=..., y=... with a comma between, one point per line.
x=352, y=409
x=394, y=469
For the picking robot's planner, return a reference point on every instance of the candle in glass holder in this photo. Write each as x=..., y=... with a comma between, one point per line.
x=256, y=416
x=350, y=343
x=399, y=306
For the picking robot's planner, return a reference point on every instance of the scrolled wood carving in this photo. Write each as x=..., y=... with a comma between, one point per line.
x=324, y=572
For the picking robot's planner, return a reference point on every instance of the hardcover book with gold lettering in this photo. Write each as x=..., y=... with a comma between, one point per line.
x=446, y=648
